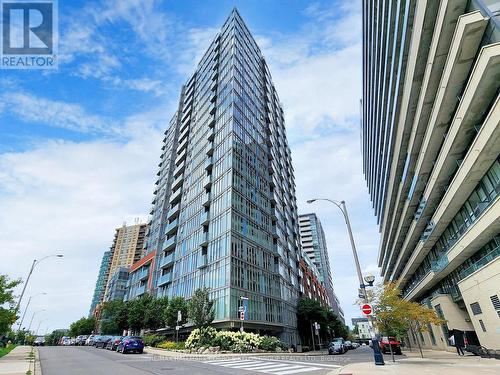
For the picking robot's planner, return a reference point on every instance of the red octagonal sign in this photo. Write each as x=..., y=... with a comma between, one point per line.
x=366, y=309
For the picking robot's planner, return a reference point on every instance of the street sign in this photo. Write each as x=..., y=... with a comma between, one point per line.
x=242, y=315
x=366, y=309
x=177, y=328
x=179, y=316
x=241, y=309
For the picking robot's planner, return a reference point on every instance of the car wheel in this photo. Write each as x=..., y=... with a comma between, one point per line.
x=141, y=351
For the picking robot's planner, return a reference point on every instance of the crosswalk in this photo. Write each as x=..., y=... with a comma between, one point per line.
x=267, y=366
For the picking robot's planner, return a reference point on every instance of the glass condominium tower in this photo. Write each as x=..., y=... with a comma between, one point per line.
x=224, y=213
x=431, y=145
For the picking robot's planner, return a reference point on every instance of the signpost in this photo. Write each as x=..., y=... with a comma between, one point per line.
x=242, y=309
x=367, y=309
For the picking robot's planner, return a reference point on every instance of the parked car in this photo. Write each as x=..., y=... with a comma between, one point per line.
x=349, y=345
x=355, y=345
x=337, y=347
x=102, y=341
x=39, y=341
x=385, y=342
x=131, y=344
x=114, y=342
x=90, y=340
x=80, y=340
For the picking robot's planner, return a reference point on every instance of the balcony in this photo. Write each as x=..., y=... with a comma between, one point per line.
x=165, y=279
x=169, y=244
x=176, y=196
x=211, y=124
x=178, y=182
x=172, y=227
x=141, y=290
x=144, y=274
x=204, y=239
x=204, y=218
x=181, y=157
x=491, y=256
x=182, y=145
x=440, y=264
x=211, y=134
x=203, y=260
x=167, y=260
x=210, y=149
x=179, y=169
x=206, y=200
x=209, y=164
x=207, y=182
x=183, y=132
x=174, y=211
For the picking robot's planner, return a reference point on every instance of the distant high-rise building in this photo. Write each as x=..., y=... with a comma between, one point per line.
x=224, y=213
x=431, y=145
x=100, y=286
x=127, y=249
x=313, y=243
x=117, y=285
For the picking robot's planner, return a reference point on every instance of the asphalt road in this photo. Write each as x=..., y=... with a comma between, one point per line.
x=60, y=360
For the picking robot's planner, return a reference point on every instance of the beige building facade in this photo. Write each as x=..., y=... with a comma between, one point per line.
x=127, y=249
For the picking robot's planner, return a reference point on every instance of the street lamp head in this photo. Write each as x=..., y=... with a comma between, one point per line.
x=59, y=255
x=369, y=279
x=311, y=201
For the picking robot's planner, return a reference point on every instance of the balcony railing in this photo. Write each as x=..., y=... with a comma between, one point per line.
x=204, y=218
x=171, y=228
x=141, y=290
x=165, y=279
x=167, y=260
x=144, y=274
x=174, y=211
x=491, y=256
x=169, y=244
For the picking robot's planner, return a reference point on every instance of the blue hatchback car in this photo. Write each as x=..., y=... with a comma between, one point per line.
x=131, y=344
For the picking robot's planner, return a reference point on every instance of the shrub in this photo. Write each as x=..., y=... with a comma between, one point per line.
x=270, y=343
x=201, y=337
x=170, y=345
x=153, y=340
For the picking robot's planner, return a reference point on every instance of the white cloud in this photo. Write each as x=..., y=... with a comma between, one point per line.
x=30, y=108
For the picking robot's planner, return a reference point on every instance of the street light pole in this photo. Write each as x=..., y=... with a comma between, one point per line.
x=33, y=265
x=379, y=359
x=33, y=317
x=26, y=309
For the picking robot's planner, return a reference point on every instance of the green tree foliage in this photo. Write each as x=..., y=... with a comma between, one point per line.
x=137, y=312
x=155, y=313
x=201, y=309
x=83, y=326
x=310, y=311
x=8, y=314
x=114, y=318
x=175, y=305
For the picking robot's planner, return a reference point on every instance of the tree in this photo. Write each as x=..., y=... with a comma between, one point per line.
x=8, y=313
x=201, y=308
x=311, y=311
x=114, y=317
x=83, y=326
x=137, y=312
x=155, y=313
x=395, y=316
x=175, y=305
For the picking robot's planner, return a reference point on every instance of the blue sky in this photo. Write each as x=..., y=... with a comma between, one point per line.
x=79, y=146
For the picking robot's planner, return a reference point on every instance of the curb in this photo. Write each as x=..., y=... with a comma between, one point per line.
x=37, y=366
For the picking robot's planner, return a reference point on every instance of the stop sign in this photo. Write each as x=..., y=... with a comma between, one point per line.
x=366, y=309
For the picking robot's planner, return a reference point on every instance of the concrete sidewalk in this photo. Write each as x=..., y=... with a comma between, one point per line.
x=434, y=362
x=17, y=362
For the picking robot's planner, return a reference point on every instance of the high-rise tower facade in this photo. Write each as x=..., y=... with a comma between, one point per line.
x=313, y=242
x=224, y=213
x=100, y=285
x=431, y=144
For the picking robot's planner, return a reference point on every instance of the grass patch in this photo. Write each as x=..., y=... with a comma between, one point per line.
x=4, y=351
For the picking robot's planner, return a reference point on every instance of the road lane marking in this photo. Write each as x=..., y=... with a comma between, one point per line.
x=266, y=367
x=302, y=363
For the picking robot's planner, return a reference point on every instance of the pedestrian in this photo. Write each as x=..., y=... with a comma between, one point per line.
x=456, y=344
